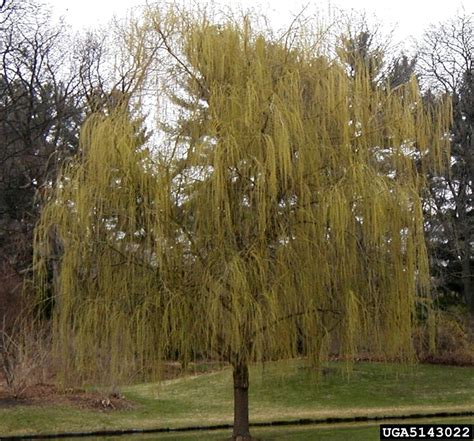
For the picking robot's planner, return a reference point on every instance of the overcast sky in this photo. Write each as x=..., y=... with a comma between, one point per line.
x=408, y=17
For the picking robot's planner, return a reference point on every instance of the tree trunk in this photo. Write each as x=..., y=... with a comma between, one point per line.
x=467, y=277
x=241, y=403
x=466, y=271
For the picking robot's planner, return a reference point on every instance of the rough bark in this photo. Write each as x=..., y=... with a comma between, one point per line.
x=467, y=277
x=466, y=263
x=241, y=430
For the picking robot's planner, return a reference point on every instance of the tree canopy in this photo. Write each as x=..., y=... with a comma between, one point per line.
x=446, y=64
x=286, y=218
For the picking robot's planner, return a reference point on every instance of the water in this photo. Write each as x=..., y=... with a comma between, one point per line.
x=335, y=432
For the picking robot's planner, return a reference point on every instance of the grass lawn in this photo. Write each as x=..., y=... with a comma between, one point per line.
x=278, y=391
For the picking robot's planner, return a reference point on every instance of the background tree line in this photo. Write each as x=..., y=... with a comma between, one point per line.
x=50, y=81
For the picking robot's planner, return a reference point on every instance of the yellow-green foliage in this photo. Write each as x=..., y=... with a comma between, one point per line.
x=291, y=211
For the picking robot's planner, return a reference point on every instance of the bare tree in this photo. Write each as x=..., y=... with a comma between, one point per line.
x=446, y=53
x=446, y=67
x=40, y=113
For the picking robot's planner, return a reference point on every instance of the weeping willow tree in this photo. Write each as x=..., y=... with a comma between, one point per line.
x=286, y=218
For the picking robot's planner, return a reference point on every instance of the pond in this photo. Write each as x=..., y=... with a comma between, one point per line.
x=335, y=432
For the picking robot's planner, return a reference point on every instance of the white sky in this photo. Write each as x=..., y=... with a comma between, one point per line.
x=408, y=17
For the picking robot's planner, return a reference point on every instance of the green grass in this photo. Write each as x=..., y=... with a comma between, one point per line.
x=279, y=391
